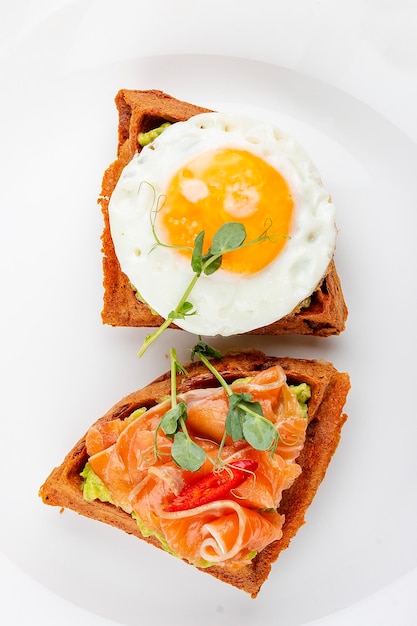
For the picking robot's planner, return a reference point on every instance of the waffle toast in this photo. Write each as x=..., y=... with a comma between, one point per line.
x=141, y=111
x=329, y=389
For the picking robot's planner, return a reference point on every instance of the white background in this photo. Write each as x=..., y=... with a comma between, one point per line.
x=346, y=83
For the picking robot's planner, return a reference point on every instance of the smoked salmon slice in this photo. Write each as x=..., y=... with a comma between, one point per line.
x=132, y=457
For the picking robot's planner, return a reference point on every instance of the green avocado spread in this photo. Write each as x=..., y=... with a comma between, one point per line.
x=303, y=393
x=146, y=138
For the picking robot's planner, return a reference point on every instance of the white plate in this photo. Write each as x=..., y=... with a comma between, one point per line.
x=63, y=369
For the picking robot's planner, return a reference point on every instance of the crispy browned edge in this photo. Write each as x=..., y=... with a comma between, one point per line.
x=140, y=111
x=326, y=418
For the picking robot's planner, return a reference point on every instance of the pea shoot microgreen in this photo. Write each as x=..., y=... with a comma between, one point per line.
x=245, y=419
x=185, y=452
x=230, y=236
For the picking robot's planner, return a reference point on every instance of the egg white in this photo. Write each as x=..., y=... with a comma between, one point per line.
x=226, y=303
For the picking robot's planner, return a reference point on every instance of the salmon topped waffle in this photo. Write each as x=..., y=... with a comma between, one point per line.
x=215, y=462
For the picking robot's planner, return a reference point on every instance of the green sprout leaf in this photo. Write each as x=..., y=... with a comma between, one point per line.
x=169, y=422
x=197, y=254
x=234, y=424
x=180, y=313
x=186, y=453
x=201, y=348
x=241, y=398
x=230, y=236
x=211, y=264
x=237, y=414
x=259, y=432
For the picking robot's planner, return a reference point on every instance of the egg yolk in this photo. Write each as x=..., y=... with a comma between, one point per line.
x=229, y=185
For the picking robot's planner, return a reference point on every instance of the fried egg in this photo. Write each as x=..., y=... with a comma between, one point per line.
x=200, y=174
